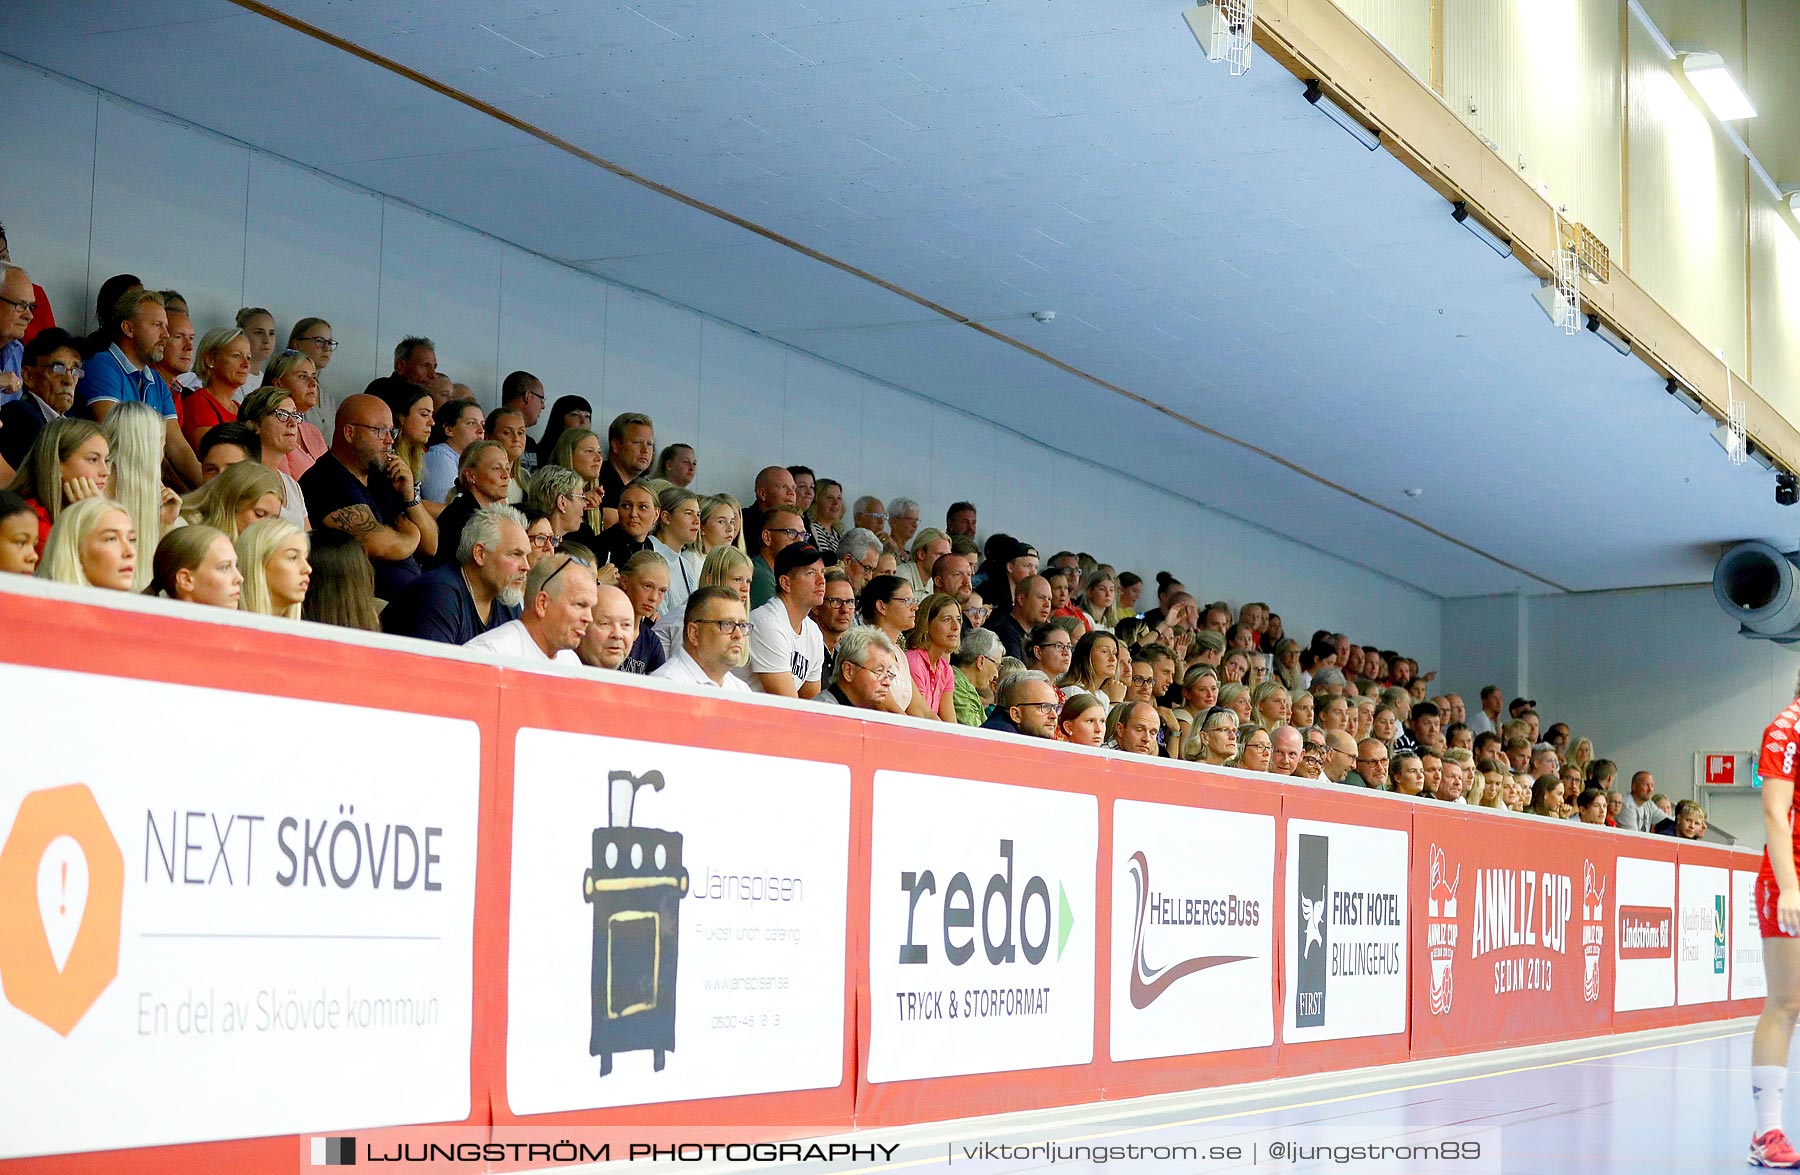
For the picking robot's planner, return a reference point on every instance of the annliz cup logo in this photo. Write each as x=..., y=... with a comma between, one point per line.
x=62, y=890
x=1593, y=931
x=1441, y=932
x=1147, y=982
x=1312, y=893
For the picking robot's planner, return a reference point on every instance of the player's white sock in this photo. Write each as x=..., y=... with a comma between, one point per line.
x=1768, y=1088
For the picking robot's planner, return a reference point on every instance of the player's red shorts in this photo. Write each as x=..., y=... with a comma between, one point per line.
x=1767, y=893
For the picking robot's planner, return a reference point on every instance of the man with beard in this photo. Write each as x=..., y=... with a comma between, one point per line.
x=559, y=606
x=715, y=635
x=126, y=371
x=479, y=592
x=363, y=488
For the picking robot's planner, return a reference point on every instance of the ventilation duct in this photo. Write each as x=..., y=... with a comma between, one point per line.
x=1757, y=587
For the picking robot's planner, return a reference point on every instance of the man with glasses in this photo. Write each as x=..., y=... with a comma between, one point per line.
x=859, y=553
x=869, y=514
x=364, y=489
x=714, y=642
x=523, y=392
x=781, y=528
x=559, y=606
x=1312, y=756
x=18, y=302
x=787, y=651
x=835, y=616
x=52, y=369
x=1340, y=756
x=1031, y=607
x=1371, y=770
x=1026, y=703
x=867, y=665
x=1286, y=747
x=774, y=490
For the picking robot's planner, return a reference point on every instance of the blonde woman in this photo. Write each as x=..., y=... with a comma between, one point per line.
x=1581, y=754
x=273, y=413
x=294, y=371
x=507, y=425
x=198, y=565
x=69, y=461
x=721, y=523
x=244, y=493
x=1270, y=704
x=1237, y=699
x=135, y=433
x=582, y=450
x=92, y=544
x=936, y=635
x=1256, y=746
x=272, y=558
x=1214, y=738
x=676, y=538
x=723, y=567
x=825, y=516
x=222, y=365
x=1099, y=592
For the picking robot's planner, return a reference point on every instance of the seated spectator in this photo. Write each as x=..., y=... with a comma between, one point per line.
x=245, y=493
x=1082, y=721
x=50, y=369
x=443, y=390
x=677, y=539
x=342, y=591
x=976, y=669
x=414, y=422
x=312, y=337
x=1131, y=589
x=1451, y=781
x=507, y=426
x=1340, y=756
x=295, y=373
x=1234, y=668
x=483, y=477
x=1458, y=736
x=1385, y=727
x=1362, y=717
x=950, y=574
x=272, y=557
x=1543, y=762
x=226, y=445
x=835, y=615
x=258, y=326
x=714, y=641
x=106, y=308
x=1099, y=594
x=1688, y=823
x=484, y=589
x=936, y=635
x=222, y=365
x=975, y=610
x=18, y=305
x=723, y=567
x=635, y=516
x=1408, y=774
x=363, y=489
x=645, y=580
x=455, y=426
x=556, y=495
x=1301, y=709
x=1236, y=698
x=67, y=463
x=825, y=517
x=1025, y=703
x=1546, y=797
x=630, y=447
x=1286, y=746
x=197, y=564
x=1199, y=693
x=1256, y=748
x=135, y=330
x=1094, y=667
x=868, y=664
x=18, y=535
x=721, y=524
x=92, y=544
x=1590, y=807
x=1432, y=764
x=609, y=640
x=1132, y=727
x=566, y=413
x=1371, y=770
x=775, y=489
x=888, y=604
x=780, y=528
x=787, y=651
x=415, y=364
x=134, y=435
x=678, y=465
x=903, y=522
x=1213, y=738
x=271, y=411
x=859, y=554
x=928, y=546
x=1029, y=607
x=1270, y=704
x=867, y=513
x=557, y=610
x=959, y=520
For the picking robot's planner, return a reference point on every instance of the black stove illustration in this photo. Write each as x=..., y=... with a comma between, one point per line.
x=635, y=884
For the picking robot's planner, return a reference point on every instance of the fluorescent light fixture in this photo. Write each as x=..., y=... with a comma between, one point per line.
x=1484, y=234
x=1614, y=339
x=1760, y=457
x=1362, y=134
x=1723, y=96
x=1685, y=394
x=1551, y=301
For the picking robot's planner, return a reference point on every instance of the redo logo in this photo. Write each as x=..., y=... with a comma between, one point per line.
x=1441, y=932
x=1010, y=926
x=1312, y=895
x=62, y=888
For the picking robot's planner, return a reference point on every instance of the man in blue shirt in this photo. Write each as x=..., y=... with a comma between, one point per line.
x=481, y=590
x=17, y=305
x=1029, y=705
x=124, y=373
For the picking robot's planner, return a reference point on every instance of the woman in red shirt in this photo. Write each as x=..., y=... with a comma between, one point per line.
x=1778, y=913
x=222, y=365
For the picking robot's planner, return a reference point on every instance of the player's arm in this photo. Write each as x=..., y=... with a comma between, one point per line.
x=1778, y=799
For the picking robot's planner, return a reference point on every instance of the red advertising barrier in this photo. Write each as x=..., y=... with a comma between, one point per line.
x=630, y=908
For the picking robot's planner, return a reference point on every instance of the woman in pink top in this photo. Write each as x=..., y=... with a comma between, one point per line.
x=936, y=634
x=294, y=371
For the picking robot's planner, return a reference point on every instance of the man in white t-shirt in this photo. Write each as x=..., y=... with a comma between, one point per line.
x=558, y=609
x=714, y=634
x=787, y=650
x=1488, y=719
x=928, y=546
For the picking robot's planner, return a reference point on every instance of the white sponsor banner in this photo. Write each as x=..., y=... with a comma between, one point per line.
x=1644, y=946
x=226, y=915
x=981, y=927
x=1703, y=934
x=1747, y=979
x=685, y=944
x=1193, y=933
x=1346, y=964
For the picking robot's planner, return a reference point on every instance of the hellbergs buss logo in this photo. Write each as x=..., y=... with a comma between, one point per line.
x=1593, y=931
x=62, y=889
x=1147, y=982
x=1441, y=932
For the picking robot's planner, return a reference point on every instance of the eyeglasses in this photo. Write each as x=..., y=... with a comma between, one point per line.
x=786, y=530
x=1377, y=759
x=391, y=433
x=840, y=603
x=885, y=675
x=286, y=417
x=21, y=307
x=876, y=516
x=545, y=542
x=1149, y=681
x=1055, y=645
x=904, y=601
x=976, y=615
x=1042, y=707
x=323, y=342
x=728, y=627
x=63, y=368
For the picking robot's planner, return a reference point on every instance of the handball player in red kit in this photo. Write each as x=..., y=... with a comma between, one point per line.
x=1778, y=912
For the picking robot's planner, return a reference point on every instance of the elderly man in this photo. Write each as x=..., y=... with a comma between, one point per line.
x=608, y=641
x=975, y=669
x=18, y=302
x=1031, y=607
x=630, y=448
x=951, y=575
x=1025, y=703
x=787, y=650
x=869, y=514
x=774, y=490
x=959, y=520
x=714, y=635
x=126, y=371
x=1340, y=756
x=781, y=529
x=1371, y=768
x=859, y=553
x=835, y=616
x=52, y=369
x=480, y=591
x=559, y=606
x=1138, y=727
x=903, y=521
x=1285, y=753
x=928, y=546
x=363, y=489
x=867, y=666
x=523, y=392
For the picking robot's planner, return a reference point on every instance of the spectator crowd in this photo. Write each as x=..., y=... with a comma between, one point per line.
x=210, y=468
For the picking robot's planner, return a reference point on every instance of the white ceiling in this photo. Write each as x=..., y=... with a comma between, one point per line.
x=1211, y=245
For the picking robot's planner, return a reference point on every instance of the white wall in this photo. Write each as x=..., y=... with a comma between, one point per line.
x=1482, y=647
x=112, y=188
